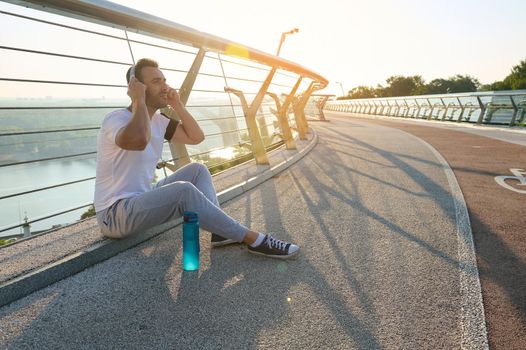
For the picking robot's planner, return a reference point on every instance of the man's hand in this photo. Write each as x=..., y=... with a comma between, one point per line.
x=136, y=90
x=135, y=135
x=173, y=98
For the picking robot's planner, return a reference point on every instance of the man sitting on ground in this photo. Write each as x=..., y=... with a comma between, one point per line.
x=129, y=145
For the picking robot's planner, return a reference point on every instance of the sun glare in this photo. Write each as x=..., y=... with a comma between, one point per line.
x=236, y=51
x=224, y=153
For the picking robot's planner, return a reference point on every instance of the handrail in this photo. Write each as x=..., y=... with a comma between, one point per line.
x=111, y=14
x=454, y=95
x=106, y=13
x=512, y=108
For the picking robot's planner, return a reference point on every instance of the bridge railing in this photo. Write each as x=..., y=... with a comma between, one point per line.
x=502, y=107
x=316, y=104
x=63, y=69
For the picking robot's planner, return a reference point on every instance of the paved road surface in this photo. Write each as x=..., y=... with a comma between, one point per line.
x=371, y=208
x=496, y=212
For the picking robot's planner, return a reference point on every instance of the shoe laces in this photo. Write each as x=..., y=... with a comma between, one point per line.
x=276, y=243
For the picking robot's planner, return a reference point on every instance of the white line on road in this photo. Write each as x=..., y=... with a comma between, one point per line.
x=473, y=322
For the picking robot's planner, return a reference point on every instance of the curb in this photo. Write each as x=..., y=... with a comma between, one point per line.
x=42, y=277
x=249, y=184
x=472, y=316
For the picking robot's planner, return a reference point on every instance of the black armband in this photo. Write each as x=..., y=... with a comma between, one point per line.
x=170, y=129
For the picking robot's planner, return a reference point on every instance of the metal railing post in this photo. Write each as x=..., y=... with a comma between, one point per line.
x=321, y=106
x=256, y=143
x=408, y=108
x=148, y=28
x=424, y=108
x=445, y=108
x=482, y=110
x=431, y=112
x=398, y=108
x=462, y=108
x=515, y=111
x=286, y=134
x=179, y=151
x=260, y=155
x=283, y=114
x=523, y=111
x=418, y=109
x=299, y=112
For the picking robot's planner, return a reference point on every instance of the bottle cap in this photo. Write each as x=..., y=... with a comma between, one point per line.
x=189, y=216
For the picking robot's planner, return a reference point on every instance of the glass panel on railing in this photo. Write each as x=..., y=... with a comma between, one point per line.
x=471, y=108
x=311, y=110
x=519, y=100
x=436, y=108
x=499, y=109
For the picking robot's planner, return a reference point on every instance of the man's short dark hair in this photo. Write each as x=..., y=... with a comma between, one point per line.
x=143, y=62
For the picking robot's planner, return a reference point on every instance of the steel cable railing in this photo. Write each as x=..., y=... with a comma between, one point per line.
x=206, y=103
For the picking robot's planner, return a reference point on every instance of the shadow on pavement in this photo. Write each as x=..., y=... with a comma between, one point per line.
x=142, y=299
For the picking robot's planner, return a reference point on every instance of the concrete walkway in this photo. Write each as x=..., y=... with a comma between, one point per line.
x=382, y=266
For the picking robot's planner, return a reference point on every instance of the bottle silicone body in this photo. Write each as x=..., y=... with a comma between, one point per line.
x=190, y=241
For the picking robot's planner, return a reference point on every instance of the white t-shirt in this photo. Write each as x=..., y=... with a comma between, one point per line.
x=122, y=173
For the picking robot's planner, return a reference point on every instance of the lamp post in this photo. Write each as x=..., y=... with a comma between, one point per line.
x=295, y=30
x=341, y=86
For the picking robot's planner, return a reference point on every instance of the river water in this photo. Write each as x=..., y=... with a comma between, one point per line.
x=29, y=147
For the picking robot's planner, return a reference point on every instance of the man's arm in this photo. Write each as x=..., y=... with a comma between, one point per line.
x=188, y=131
x=136, y=134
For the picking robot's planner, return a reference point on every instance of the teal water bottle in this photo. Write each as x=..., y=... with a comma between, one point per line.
x=190, y=241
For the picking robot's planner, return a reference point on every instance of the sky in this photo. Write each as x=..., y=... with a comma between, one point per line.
x=365, y=42
x=349, y=42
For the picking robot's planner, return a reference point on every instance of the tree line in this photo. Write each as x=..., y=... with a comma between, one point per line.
x=399, y=85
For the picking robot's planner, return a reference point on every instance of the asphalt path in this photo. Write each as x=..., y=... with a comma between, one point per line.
x=490, y=165
x=373, y=212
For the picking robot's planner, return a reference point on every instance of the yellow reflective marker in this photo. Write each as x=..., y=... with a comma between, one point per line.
x=237, y=50
x=289, y=299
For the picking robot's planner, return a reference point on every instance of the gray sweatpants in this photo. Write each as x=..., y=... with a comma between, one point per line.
x=188, y=189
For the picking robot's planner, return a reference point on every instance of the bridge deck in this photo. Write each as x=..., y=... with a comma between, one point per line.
x=382, y=262
x=477, y=155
